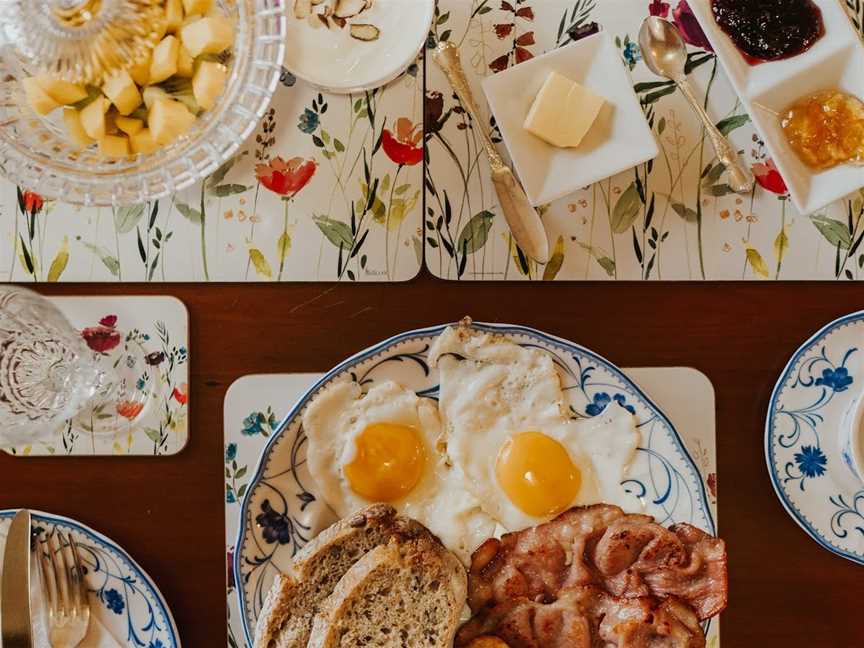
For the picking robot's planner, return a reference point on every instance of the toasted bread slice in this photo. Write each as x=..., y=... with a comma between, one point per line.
x=286, y=618
x=404, y=593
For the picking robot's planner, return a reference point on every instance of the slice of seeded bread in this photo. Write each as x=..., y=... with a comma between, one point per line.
x=286, y=618
x=405, y=594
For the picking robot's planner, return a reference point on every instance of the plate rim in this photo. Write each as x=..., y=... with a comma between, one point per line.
x=793, y=512
x=86, y=530
x=378, y=82
x=490, y=327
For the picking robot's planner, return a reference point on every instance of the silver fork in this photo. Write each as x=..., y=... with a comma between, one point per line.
x=64, y=591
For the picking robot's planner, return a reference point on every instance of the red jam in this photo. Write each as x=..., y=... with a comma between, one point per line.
x=770, y=30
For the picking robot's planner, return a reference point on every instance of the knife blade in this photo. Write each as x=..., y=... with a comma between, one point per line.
x=524, y=221
x=15, y=615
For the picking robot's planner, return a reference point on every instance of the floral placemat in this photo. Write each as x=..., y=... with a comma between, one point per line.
x=255, y=405
x=148, y=336
x=328, y=188
x=672, y=219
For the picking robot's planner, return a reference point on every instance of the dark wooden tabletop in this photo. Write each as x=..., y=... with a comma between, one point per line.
x=168, y=512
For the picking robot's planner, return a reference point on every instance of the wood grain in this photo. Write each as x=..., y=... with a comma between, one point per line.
x=168, y=512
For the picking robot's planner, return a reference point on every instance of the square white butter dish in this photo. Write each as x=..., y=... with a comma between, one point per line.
x=619, y=139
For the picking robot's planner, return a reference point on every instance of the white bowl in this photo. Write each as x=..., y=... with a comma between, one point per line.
x=332, y=60
x=835, y=61
x=619, y=140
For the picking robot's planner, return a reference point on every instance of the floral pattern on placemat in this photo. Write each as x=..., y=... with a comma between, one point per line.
x=147, y=338
x=328, y=188
x=673, y=218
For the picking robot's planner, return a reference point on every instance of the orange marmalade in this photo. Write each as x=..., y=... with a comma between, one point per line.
x=826, y=129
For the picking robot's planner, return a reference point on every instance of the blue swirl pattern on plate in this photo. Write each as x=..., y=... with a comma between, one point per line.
x=802, y=437
x=130, y=599
x=280, y=512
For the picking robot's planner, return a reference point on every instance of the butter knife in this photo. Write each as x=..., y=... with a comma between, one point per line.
x=523, y=219
x=15, y=617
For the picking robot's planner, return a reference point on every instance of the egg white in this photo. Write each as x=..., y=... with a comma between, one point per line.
x=491, y=389
x=341, y=412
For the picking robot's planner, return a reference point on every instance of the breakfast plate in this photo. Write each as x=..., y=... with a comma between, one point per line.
x=281, y=511
x=124, y=601
x=335, y=55
x=803, y=437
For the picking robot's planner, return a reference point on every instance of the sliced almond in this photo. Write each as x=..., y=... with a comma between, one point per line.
x=316, y=2
x=365, y=32
x=302, y=9
x=340, y=22
x=315, y=20
x=349, y=8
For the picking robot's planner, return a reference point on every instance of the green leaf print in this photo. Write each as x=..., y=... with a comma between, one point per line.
x=337, y=232
x=835, y=232
x=732, y=123
x=626, y=210
x=222, y=191
x=475, y=233
x=126, y=218
x=189, y=213
x=105, y=257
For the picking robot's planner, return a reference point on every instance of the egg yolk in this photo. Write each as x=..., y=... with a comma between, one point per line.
x=537, y=474
x=388, y=464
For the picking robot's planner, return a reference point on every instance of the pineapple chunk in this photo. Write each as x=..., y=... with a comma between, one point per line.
x=197, y=6
x=164, y=63
x=93, y=118
x=122, y=91
x=185, y=63
x=140, y=72
x=115, y=146
x=168, y=120
x=63, y=92
x=211, y=35
x=208, y=83
x=38, y=99
x=143, y=142
x=72, y=119
x=173, y=15
x=129, y=125
x=152, y=93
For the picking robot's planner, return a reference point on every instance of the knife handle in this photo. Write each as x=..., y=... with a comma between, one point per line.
x=448, y=59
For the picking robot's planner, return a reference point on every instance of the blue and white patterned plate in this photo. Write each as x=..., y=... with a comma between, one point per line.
x=280, y=511
x=802, y=437
x=122, y=596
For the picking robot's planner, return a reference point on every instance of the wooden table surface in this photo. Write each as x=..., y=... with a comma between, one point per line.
x=168, y=512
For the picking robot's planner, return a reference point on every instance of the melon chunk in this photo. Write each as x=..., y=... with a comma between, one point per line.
x=211, y=35
x=168, y=120
x=208, y=83
x=38, y=99
x=197, y=6
x=140, y=72
x=93, y=118
x=152, y=93
x=185, y=63
x=129, y=125
x=115, y=146
x=173, y=15
x=63, y=92
x=142, y=142
x=72, y=119
x=164, y=63
x=122, y=91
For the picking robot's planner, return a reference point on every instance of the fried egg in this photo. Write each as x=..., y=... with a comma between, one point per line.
x=387, y=446
x=510, y=430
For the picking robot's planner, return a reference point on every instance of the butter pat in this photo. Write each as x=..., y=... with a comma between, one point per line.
x=563, y=112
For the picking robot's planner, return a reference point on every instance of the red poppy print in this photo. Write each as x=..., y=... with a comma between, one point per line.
x=404, y=146
x=181, y=394
x=658, y=8
x=129, y=409
x=286, y=178
x=769, y=178
x=33, y=202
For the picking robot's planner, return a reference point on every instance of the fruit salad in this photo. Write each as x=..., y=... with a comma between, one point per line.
x=155, y=100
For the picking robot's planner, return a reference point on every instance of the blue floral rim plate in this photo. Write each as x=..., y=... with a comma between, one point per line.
x=122, y=596
x=802, y=437
x=280, y=511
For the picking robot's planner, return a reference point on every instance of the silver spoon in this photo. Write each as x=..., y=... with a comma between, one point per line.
x=665, y=54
